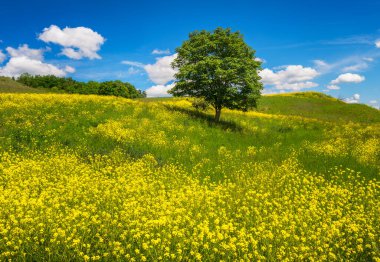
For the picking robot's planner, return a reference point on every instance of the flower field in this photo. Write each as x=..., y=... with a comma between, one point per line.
x=86, y=178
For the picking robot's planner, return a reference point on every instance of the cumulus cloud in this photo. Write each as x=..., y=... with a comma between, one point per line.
x=27, y=60
x=161, y=72
x=78, y=42
x=356, y=96
x=291, y=77
x=69, y=69
x=352, y=100
x=159, y=90
x=348, y=78
x=2, y=56
x=161, y=52
x=377, y=43
x=133, y=63
x=25, y=51
x=22, y=64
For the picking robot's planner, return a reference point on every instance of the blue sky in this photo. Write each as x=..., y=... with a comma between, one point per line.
x=305, y=45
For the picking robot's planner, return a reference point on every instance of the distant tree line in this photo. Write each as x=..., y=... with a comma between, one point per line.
x=69, y=85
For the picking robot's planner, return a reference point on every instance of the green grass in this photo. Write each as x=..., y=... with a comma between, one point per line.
x=295, y=179
x=317, y=105
x=288, y=124
x=7, y=85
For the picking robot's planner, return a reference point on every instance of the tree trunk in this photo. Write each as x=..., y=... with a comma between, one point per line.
x=217, y=114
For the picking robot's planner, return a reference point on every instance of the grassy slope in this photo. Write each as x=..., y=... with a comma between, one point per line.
x=274, y=136
x=306, y=104
x=7, y=85
x=317, y=105
x=311, y=105
x=68, y=160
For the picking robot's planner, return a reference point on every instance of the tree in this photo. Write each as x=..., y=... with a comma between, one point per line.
x=113, y=88
x=219, y=67
x=69, y=85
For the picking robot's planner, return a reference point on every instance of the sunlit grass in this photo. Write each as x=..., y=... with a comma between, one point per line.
x=104, y=178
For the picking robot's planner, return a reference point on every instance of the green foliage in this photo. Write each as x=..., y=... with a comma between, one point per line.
x=219, y=67
x=200, y=104
x=69, y=85
x=114, y=88
x=9, y=85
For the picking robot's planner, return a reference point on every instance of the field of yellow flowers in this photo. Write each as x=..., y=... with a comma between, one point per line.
x=86, y=178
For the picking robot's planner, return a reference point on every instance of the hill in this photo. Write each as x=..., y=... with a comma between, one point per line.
x=104, y=178
x=8, y=85
x=318, y=105
x=27, y=83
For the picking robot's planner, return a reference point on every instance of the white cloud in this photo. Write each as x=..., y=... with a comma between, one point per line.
x=161, y=72
x=27, y=60
x=25, y=51
x=357, y=67
x=22, y=64
x=78, y=42
x=71, y=53
x=161, y=52
x=2, y=56
x=333, y=87
x=270, y=91
x=368, y=59
x=159, y=90
x=260, y=60
x=132, y=71
x=352, y=100
x=322, y=66
x=377, y=43
x=69, y=69
x=291, y=77
x=133, y=63
x=373, y=102
x=347, y=64
x=297, y=86
x=348, y=78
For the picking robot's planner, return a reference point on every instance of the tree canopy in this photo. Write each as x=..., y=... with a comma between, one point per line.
x=69, y=85
x=219, y=67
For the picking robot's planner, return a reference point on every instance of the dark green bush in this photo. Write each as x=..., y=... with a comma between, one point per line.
x=69, y=85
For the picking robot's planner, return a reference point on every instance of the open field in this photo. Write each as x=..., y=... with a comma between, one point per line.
x=106, y=178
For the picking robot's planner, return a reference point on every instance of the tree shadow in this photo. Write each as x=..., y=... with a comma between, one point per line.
x=223, y=124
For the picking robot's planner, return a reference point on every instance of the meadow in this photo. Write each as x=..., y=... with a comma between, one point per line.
x=86, y=178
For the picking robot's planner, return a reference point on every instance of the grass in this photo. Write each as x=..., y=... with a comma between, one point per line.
x=7, y=85
x=317, y=105
x=105, y=178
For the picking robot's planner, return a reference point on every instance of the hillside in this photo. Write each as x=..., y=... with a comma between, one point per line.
x=7, y=85
x=308, y=104
x=318, y=105
x=107, y=178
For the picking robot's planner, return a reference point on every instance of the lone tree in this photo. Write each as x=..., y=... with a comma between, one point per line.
x=219, y=67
